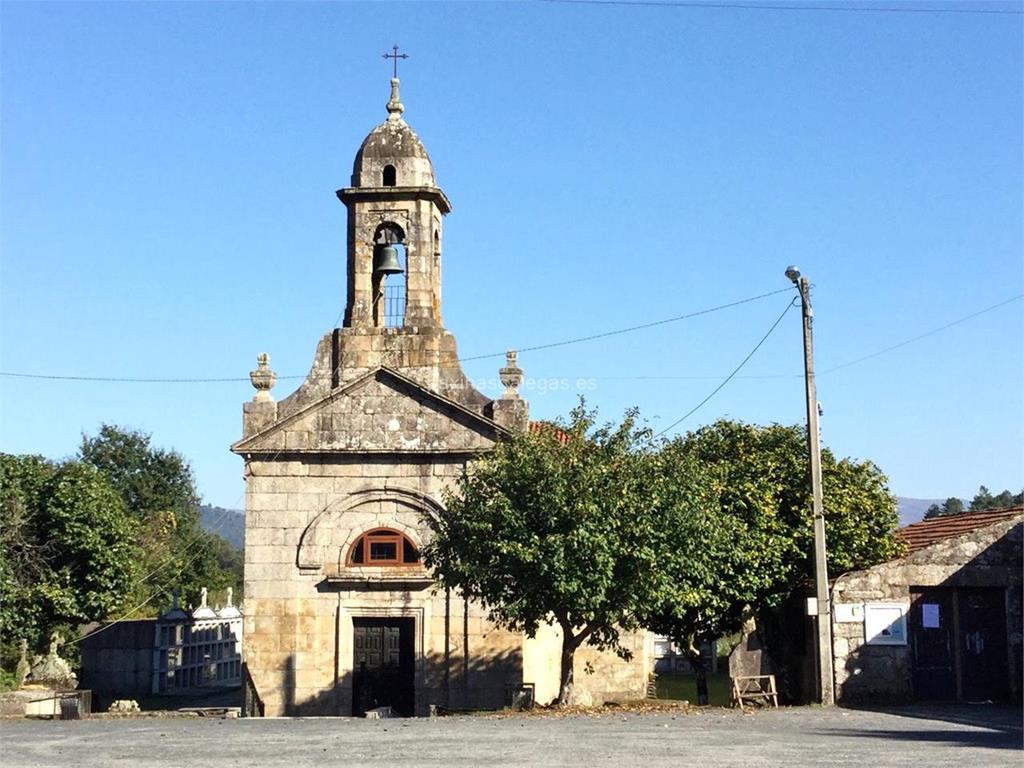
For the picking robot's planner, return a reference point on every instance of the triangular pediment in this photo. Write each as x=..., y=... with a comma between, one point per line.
x=380, y=412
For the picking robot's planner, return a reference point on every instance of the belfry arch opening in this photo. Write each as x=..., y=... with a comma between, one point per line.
x=390, y=271
x=389, y=176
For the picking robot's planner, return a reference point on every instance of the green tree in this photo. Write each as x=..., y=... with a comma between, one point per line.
x=556, y=526
x=158, y=489
x=951, y=506
x=148, y=479
x=94, y=540
x=985, y=500
x=24, y=556
x=756, y=535
x=68, y=547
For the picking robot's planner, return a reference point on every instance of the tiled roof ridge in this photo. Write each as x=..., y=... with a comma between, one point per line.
x=539, y=427
x=927, y=532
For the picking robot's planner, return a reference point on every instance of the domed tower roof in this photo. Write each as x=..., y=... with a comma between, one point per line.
x=392, y=155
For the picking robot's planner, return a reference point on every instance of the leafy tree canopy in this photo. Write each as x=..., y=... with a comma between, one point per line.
x=983, y=499
x=557, y=525
x=753, y=543
x=68, y=551
x=158, y=489
x=149, y=480
x=600, y=530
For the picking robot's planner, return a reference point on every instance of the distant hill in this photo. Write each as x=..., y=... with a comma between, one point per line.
x=229, y=523
x=912, y=510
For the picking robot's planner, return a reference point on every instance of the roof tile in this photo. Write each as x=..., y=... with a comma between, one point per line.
x=927, y=532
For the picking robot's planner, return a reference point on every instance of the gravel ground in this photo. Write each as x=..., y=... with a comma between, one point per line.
x=940, y=736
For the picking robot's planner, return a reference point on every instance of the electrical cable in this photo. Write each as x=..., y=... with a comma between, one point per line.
x=751, y=6
x=847, y=364
x=728, y=378
x=924, y=335
x=535, y=348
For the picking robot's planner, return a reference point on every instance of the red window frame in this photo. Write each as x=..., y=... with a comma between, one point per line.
x=359, y=554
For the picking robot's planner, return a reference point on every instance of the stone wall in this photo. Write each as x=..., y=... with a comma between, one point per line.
x=117, y=662
x=987, y=557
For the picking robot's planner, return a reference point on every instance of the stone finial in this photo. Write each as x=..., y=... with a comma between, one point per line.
x=202, y=598
x=395, y=106
x=231, y=598
x=22, y=669
x=263, y=379
x=511, y=375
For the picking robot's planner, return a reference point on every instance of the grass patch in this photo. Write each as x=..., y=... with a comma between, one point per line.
x=684, y=687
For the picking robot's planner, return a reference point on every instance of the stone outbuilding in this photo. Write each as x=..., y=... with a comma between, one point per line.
x=942, y=623
x=341, y=475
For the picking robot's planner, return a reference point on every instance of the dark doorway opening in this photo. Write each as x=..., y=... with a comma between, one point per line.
x=932, y=642
x=384, y=666
x=983, y=657
x=958, y=644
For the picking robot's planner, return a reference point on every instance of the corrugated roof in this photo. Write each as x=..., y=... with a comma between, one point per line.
x=928, y=532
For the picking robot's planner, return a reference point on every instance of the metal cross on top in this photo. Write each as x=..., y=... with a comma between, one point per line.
x=396, y=56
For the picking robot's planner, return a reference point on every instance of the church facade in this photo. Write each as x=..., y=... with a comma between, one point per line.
x=341, y=617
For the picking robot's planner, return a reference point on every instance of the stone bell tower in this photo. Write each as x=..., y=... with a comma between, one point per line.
x=394, y=205
x=392, y=316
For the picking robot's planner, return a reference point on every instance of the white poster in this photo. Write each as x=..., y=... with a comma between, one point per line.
x=930, y=615
x=885, y=623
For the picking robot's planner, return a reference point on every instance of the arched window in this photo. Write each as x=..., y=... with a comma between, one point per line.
x=383, y=546
x=389, y=175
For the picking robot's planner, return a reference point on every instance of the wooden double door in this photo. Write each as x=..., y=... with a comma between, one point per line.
x=384, y=665
x=958, y=644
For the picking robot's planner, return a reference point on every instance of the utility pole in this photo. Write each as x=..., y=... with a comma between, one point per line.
x=823, y=619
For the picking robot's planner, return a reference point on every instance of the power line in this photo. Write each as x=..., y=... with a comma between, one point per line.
x=924, y=335
x=753, y=6
x=847, y=364
x=128, y=379
x=535, y=348
x=632, y=328
x=728, y=378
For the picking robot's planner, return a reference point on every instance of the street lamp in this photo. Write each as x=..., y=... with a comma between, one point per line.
x=823, y=619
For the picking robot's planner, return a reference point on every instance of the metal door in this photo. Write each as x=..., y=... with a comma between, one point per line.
x=931, y=644
x=985, y=673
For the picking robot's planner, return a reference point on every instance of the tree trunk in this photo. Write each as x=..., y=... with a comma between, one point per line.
x=570, y=642
x=700, y=672
x=565, y=673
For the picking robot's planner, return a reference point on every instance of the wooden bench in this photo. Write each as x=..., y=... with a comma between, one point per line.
x=755, y=689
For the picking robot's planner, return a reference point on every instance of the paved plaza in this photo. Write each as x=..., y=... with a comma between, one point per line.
x=966, y=737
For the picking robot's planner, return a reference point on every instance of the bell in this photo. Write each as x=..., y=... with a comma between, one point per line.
x=385, y=261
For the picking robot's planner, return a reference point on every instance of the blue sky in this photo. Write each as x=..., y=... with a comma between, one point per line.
x=167, y=174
